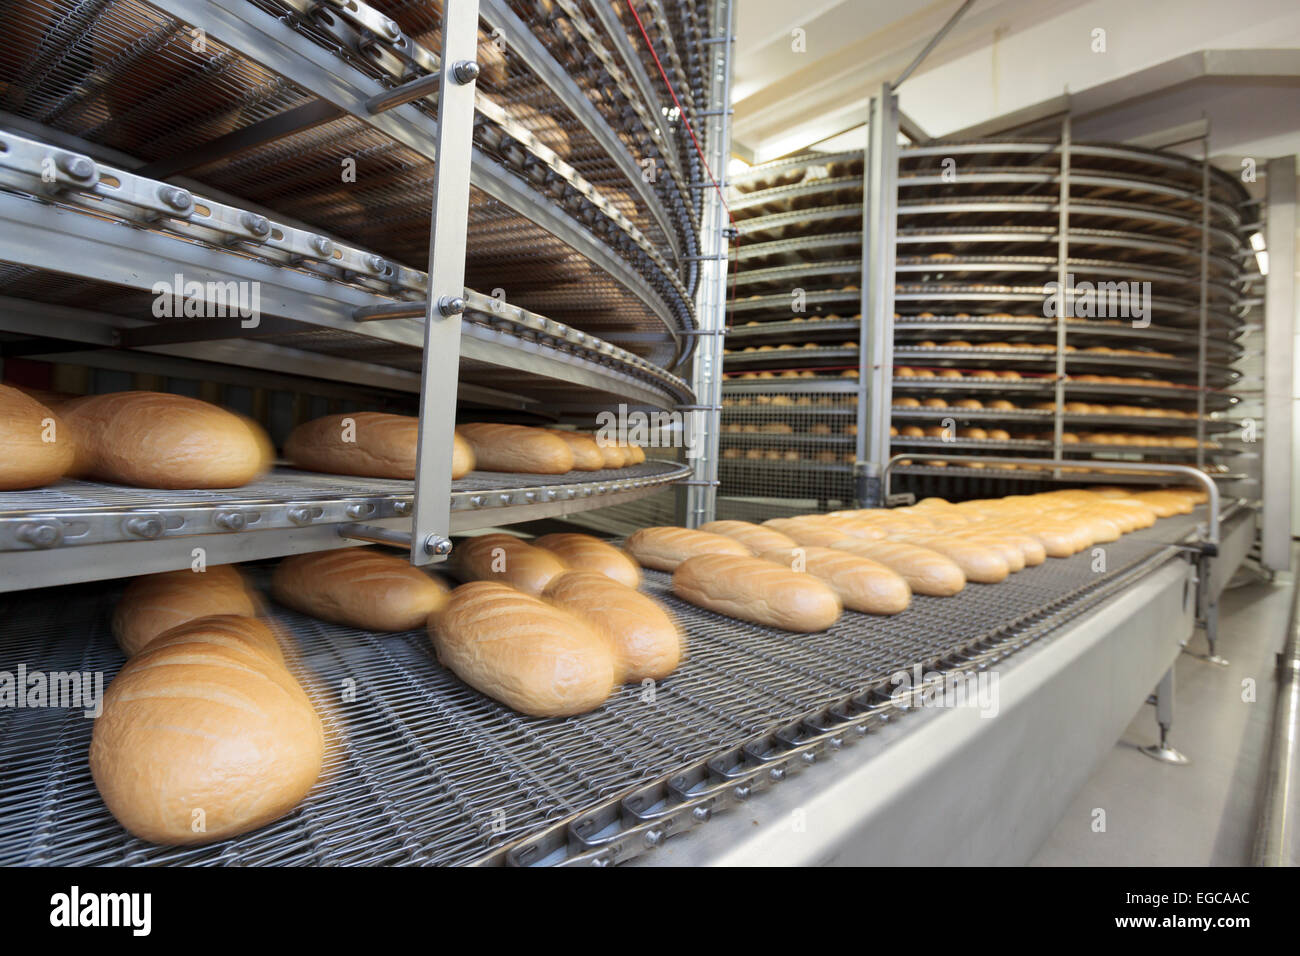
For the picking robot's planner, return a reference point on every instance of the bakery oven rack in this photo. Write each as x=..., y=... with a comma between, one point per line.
x=423, y=770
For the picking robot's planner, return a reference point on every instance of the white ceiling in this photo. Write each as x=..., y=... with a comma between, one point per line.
x=1004, y=56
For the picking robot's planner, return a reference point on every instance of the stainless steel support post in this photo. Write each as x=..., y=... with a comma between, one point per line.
x=1165, y=718
x=876, y=331
x=440, y=367
x=1279, y=340
x=711, y=296
x=1203, y=322
x=1065, y=294
x=1277, y=839
x=1207, y=612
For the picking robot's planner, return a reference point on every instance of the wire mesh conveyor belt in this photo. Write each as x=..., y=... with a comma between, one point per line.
x=422, y=769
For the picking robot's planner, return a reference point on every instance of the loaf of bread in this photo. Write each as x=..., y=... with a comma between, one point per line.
x=518, y=448
x=664, y=548
x=635, y=454
x=751, y=589
x=924, y=570
x=807, y=531
x=535, y=658
x=756, y=537
x=155, y=603
x=227, y=630
x=507, y=560
x=155, y=440
x=30, y=460
x=200, y=741
x=1032, y=551
x=582, y=552
x=647, y=642
x=979, y=563
x=462, y=456
x=369, y=444
x=359, y=587
x=862, y=584
x=587, y=455
x=616, y=456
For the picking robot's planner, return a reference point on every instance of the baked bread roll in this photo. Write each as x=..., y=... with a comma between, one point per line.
x=862, y=584
x=756, y=537
x=462, y=456
x=646, y=640
x=750, y=589
x=616, y=456
x=29, y=461
x=517, y=448
x=635, y=454
x=227, y=630
x=507, y=560
x=535, y=658
x=358, y=587
x=582, y=552
x=155, y=603
x=587, y=455
x=925, y=571
x=811, y=533
x=979, y=563
x=155, y=440
x=199, y=742
x=369, y=444
x=664, y=548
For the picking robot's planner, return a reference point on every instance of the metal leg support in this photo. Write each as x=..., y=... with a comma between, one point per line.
x=1207, y=613
x=1164, y=701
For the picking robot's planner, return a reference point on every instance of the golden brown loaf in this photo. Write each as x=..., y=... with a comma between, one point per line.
x=155, y=603
x=358, y=587
x=369, y=444
x=228, y=630
x=635, y=454
x=979, y=563
x=462, y=456
x=517, y=448
x=28, y=460
x=155, y=440
x=198, y=742
x=507, y=560
x=756, y=537
x=862, y=584
x=536, y=659
x=807, y=531
x=924, y=570
x=647, y=642
x=663, y=547
x=616, y=456
x=587, y=455
x=584, y=553
x=751, y=589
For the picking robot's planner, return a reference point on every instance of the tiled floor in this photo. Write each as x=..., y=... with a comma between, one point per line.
x=1203, y=813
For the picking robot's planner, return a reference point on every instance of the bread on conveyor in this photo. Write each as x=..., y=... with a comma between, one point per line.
x=228, y=630
x=756, y=537
x=535, y=658
x=507, y=560
x=38, y=449
x=202, y=741
x=155, y=603
x=585, y=553
x=862, y=584
x=751, y=589
x=156, y=440
x=517, y=448
x=664, y=548
x=368, y=444
x=926, y=571
x=807, y=530
x=587, y=455
x=647, y=642
x=359, y=587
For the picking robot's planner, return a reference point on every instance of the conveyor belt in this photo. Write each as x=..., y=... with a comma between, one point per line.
x=422, y=770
